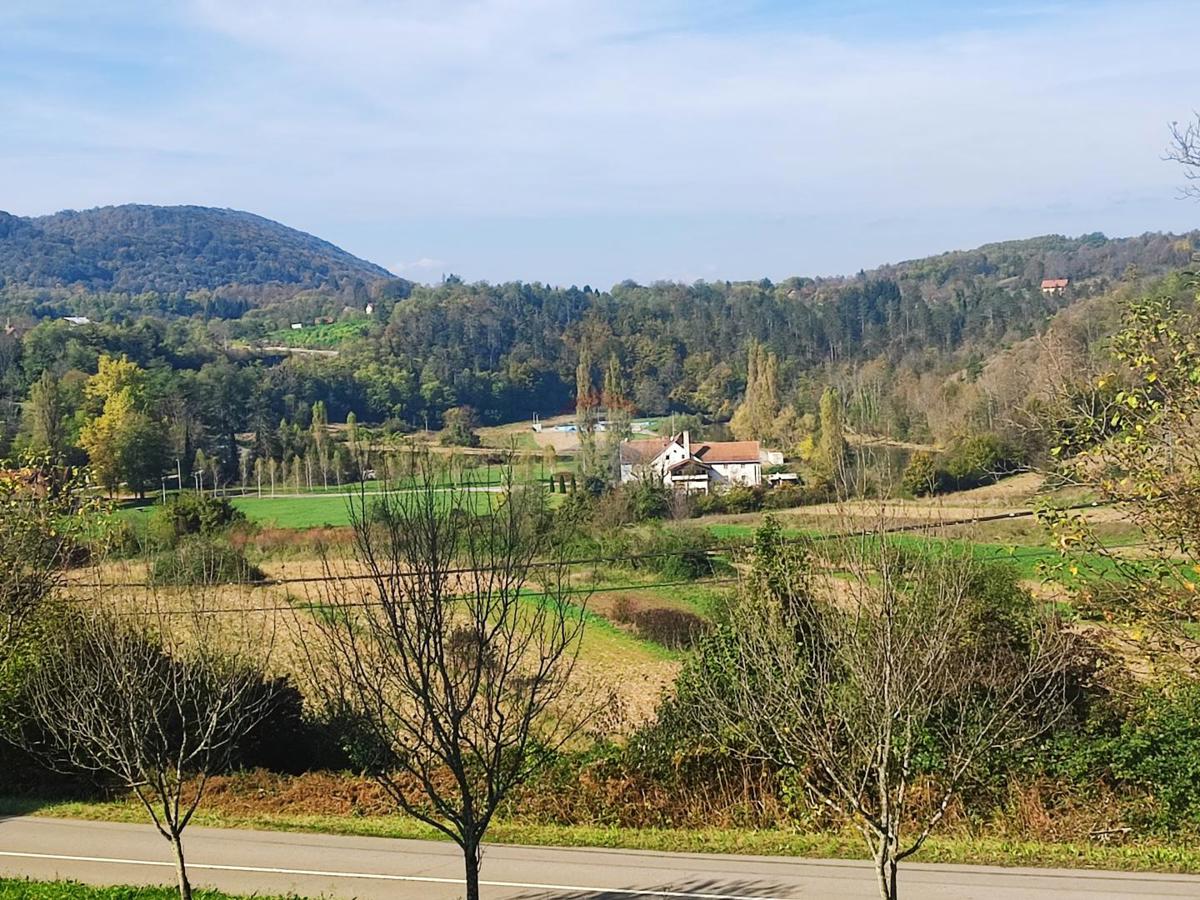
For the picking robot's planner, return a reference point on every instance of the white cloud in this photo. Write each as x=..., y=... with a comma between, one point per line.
x=357, y=115
x=542, y=107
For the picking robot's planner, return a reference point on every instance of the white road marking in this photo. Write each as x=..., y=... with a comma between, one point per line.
x=425, y=879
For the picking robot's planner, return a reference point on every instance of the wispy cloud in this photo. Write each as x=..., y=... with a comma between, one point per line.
x=419, y=267
x=536, y=137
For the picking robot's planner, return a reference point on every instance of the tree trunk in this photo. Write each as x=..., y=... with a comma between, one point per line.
x=471, y=856
x=185, y=886
x=885, y=870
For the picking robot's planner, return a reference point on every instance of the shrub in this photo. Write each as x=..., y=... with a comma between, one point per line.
x=198, y=561
x=677, y=554
x=709, y=504
x=740, y=499
x=649, y=501
x=921, y=476
x=628, y=504
x=979, y=459
x=1154, y=754
x=784, y=496
x=676, y=629
x=460, y=424
x=286, y=739
x=189, y=512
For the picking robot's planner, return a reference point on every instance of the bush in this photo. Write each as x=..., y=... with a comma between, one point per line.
x=286, y=740
x=1151, y=751
x=189, y=513
x=708, y=504
x=741, y=499
x=921, y=476
x=784, y=496
x=676, y=629
x=199, y=561
x=678, y=554
x=460, y=424
x=629, y=504
x=978, y=460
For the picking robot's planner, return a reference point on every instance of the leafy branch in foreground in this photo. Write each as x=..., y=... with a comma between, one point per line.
x=1140, y=453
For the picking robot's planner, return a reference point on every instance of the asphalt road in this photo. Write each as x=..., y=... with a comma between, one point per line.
x=369, y=868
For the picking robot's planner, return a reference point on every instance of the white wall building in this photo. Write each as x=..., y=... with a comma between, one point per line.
x=679, y=463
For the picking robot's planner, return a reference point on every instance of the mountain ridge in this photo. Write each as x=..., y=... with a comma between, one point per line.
x=137, y=248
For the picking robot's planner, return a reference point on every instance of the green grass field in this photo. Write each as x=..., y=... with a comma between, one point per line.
x=1030, y=561
x=318, y=511
x=319, y=336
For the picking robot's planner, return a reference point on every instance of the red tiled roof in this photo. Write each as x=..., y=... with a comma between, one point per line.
x=1055, y=283
x=636, y=453
x=727, y=451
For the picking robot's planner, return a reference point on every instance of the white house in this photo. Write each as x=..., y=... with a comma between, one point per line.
x=700, y=466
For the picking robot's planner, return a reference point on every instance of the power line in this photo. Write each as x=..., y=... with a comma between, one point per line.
x=365, y=604
x=710, y=552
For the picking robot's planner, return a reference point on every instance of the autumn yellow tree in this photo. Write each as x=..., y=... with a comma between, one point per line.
x=123, y=442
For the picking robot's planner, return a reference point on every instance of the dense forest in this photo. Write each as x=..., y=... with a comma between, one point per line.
x=208, y=303
x=167, y=250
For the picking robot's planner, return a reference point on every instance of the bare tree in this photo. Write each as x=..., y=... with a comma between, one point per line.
x=158, y=701
x=454, y=660
x=844, y=683
x=1185, y=150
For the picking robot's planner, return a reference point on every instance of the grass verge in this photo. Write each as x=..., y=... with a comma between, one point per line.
x=1145, y=856
x=20, y=889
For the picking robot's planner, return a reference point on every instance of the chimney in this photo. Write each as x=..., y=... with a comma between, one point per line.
x=687, y=443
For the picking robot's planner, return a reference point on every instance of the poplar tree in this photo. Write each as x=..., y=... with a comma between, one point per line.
x=757, y=415
x=831, y=449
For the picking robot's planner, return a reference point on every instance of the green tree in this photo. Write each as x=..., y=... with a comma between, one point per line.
x=617, y=415
x=920, y=475
x=756, y=417
x=320, y=436
x=47, y=417
x=460, y=425
x=831, y=448
x=124, y=445
x=124, y=442
x=114, y=375
x=587, y=408
x=40, y=532
x=1131, y=438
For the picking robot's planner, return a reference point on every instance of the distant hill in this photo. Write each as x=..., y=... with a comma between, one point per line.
x=167, y=249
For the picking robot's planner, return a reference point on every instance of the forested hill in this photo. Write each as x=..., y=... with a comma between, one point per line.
x=919, y=350
x=136, y=249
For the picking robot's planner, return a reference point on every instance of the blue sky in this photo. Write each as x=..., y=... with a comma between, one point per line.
x=587, y=141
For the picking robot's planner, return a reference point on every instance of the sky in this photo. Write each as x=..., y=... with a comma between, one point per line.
x=590, y=141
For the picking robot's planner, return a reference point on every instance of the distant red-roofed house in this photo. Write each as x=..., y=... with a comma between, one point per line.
x=1055, y=285
x=701, y=466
